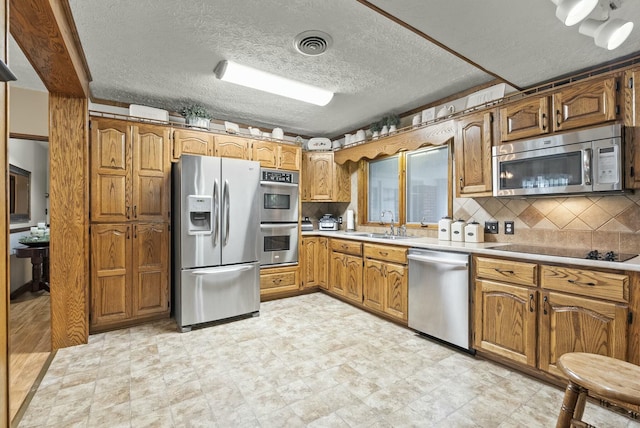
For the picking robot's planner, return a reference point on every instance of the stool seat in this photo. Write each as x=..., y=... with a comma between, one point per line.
x=607, y=377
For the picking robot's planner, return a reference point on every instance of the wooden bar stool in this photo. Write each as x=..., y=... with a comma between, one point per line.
x=607, y=377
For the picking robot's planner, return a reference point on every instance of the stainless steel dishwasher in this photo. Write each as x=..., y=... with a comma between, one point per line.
x=439, y=295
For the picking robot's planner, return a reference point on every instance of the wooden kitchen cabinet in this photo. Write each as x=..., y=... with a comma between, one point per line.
x=587, y=103
x=232, y=147
x=385, y=280
x=504, y=310
x=129, y=273
x=473, y=155
x=576, y=324
x=187, y=141
x=274, y=155
x=345, y=270
x=279, y=280
x=323, y=179
x=130, y=171
x=526, y=118
x=314, y=257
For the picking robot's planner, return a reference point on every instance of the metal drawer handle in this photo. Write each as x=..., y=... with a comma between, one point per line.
x=384, y=253
x=277, y=281
x=590, y=284
x=504, y=271
x=544, y=306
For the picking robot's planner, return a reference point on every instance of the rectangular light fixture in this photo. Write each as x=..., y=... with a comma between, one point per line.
x=232, y=72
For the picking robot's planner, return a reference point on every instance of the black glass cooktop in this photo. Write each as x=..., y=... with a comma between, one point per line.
x=567, y=252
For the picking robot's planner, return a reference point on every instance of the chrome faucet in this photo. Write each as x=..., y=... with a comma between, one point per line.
x=391, y=224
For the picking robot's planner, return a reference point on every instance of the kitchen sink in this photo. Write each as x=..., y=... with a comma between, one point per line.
x=377, y=235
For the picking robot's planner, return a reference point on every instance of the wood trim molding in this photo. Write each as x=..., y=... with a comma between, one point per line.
x=4, y=231
x=29, y=137
x=435, y=134
x=46, y=36
x=434, y=41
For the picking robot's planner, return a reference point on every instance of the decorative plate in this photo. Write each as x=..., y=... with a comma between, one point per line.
x=34, y=241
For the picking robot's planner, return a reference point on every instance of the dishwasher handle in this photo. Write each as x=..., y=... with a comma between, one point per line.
x=428, y=259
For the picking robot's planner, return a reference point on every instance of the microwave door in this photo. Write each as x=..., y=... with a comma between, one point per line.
x=546, y=171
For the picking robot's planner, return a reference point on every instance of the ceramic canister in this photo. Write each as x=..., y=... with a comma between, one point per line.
x=444, y=229
x=474, y=232
x=457, y=230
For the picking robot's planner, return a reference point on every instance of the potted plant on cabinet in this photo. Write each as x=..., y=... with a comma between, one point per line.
x=392, y=121
x=196, y=115
x=375, y=130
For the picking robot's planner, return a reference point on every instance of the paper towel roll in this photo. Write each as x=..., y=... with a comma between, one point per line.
x=350, y=220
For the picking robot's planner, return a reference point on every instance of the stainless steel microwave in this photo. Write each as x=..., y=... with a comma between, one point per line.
x=579, y=162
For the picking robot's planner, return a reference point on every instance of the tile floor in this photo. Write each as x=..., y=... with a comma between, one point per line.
x=305, y=361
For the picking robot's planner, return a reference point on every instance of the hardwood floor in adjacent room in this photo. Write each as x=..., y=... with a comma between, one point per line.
x=30, y=344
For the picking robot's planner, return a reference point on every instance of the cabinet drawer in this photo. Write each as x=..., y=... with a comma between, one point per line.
x=278, y=280
x=386, y=253
x=507, y=270
x=590, y=283
x=344, y=246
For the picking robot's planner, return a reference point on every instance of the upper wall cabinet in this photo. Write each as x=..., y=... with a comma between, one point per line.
x=323, y=179
x=187, y=141
x=631, y=97
x=232, y=147
x=582, y=104
x=274, y=155
x=130, y=171
x=473, y=155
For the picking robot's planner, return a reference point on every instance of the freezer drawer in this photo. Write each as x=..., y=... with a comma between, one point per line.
x=211, y=294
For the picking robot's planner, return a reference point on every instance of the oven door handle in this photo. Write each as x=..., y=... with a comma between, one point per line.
x=586, y=166
x=275, y=183
x=278, y=226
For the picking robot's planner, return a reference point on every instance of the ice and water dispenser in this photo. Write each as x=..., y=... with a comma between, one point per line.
x=200, y=214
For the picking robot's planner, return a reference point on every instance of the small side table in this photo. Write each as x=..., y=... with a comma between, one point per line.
x=39, y=269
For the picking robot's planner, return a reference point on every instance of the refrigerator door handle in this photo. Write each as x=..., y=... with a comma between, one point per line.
x=200, y=272
x=225, y=201
x=216, y=213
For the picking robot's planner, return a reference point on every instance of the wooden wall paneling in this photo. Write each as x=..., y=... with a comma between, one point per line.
x=46, y=34
x=4, y=235
x=69, y=203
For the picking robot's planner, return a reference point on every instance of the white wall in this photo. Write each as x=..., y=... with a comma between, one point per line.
x=32, y=156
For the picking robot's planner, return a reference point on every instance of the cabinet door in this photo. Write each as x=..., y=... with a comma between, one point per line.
x=396, y=298
x=583, y=104
x=337, y=273
x=631, y=97
x=266, y=153
x=577, y=324
x=110, y=170
x=151, y=173
x=151, y=269
x=373, y=287
x=632, y=157
x=190, y=142
x=279, y=280
x=353, y=289
x=289, y=157
x=505, y=321
x=321, y=176
x=232, y=147
x=309, y=262
x=473, y=154
x=322, y=256
x=526, y=118
x=305, y=177
x=110, y=274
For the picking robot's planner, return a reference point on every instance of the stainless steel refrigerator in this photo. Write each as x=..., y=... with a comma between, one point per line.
x=216, y=229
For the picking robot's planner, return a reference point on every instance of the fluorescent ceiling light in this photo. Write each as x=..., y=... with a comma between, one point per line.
x=570, y=12
x=229, y=71
x=608, y=34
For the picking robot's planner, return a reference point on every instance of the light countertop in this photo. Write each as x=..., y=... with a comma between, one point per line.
x=485, y=248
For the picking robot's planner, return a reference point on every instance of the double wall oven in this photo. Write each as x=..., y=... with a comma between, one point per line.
x=279, y=217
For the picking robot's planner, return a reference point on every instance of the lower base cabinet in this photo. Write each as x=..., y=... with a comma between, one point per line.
x=385, y=280
x=345, y=269
x=314, y=255
x=129, y=273
x=279, y=280
x=532, y=314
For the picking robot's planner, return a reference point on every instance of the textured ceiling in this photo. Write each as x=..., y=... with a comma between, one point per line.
x=162, y=53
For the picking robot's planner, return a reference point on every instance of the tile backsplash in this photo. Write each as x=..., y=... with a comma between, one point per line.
x=599, y=222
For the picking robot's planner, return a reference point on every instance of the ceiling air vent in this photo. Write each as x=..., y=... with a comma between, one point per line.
x=312, y=42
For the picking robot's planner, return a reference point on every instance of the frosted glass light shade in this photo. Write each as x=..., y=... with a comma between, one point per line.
x=570, y=12
x=608, y=34
x=232, y=72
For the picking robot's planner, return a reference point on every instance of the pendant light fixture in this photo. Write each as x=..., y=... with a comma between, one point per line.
x=232, y=72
